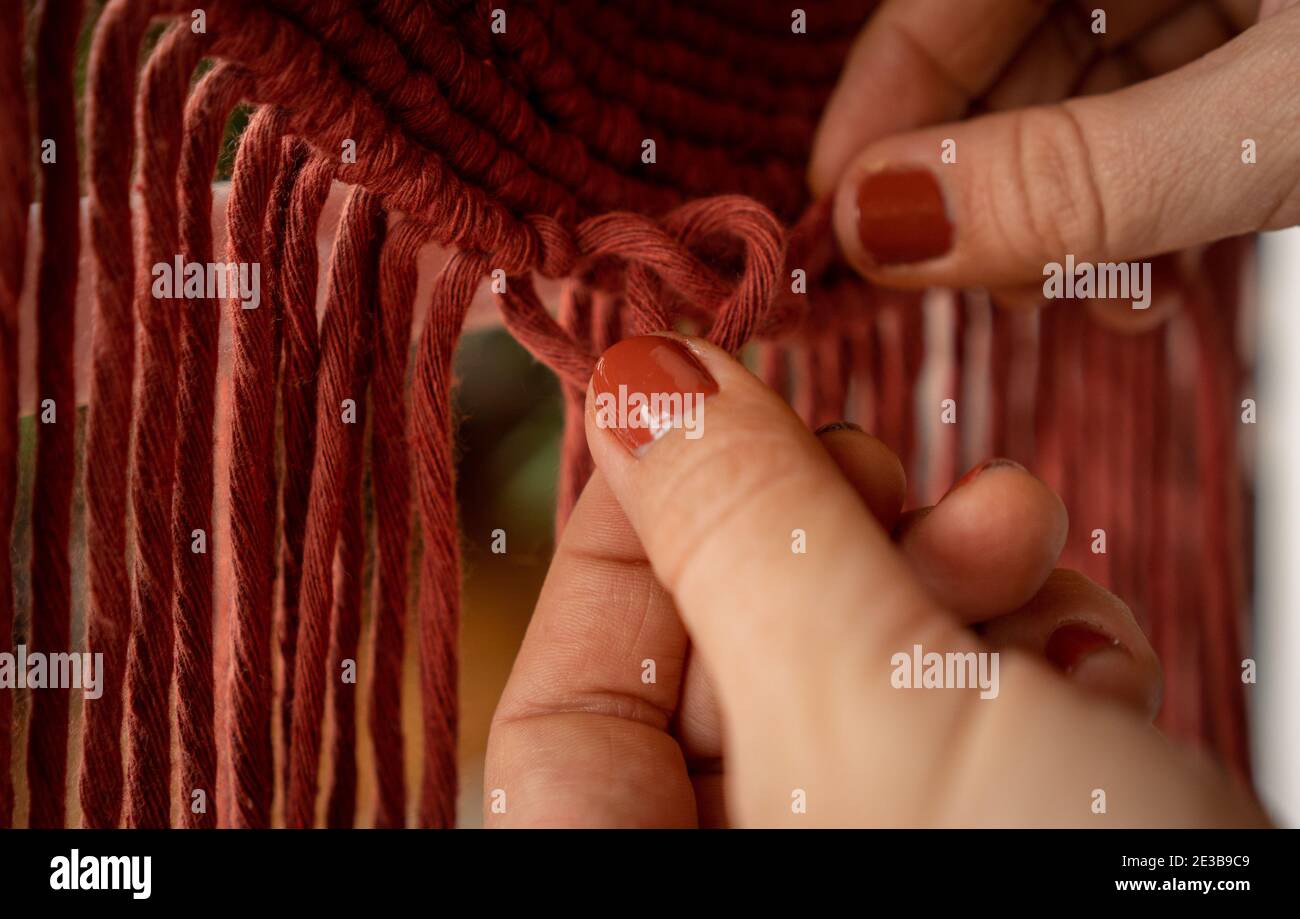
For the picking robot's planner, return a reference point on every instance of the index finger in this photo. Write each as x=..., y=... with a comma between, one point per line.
x=916, y=63
x=581, y=736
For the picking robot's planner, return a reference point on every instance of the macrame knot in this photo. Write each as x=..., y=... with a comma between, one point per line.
x=667, y=265
x=762, y=239
x=557, y=252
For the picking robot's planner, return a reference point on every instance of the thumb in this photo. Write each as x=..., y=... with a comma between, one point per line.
x=1202, y=153
x=797, y=603
x=746, y=520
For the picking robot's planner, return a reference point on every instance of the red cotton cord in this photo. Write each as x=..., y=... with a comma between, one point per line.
x=111, y=70
x=576, y=465
x=15, y=198
x=56, y=291
x=252, y=482
x=307, y=182
x=192, y=534
x=439, y=584
x=339, y=343
x=150, y=651
x=390, y=463
x=359, y=274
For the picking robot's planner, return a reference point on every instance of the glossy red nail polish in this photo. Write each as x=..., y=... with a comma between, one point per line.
x=646, y=386
x=1073, y=642
x=902, y=217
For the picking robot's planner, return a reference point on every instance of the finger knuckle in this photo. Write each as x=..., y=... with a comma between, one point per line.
x=1057, y=200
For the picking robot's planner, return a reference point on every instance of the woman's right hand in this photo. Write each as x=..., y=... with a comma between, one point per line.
x=772, y=547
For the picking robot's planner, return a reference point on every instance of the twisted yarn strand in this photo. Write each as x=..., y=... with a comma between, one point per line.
x=15, y=197
x=56, y=291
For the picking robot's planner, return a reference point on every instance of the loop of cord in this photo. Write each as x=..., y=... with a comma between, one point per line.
x=661, y=269
x=764, y=241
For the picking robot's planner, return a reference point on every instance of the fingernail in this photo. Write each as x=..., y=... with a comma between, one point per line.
x=837, y=426
x=995, y=463
x=1071, y=643
x=902, y=217
x=648, y=385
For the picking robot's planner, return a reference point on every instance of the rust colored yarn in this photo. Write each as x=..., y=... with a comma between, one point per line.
x=360, y=277
x=523, y=152
x=306, y=184
x=332, y=480
x=47, y=740
x=205, y=121
x=164, y=86
x=439, y=584
x=15, y=176
x=252, y=482
x=390, y=464
x=108, y=619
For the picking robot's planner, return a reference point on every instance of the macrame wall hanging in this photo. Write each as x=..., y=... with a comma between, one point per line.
x=522, y=151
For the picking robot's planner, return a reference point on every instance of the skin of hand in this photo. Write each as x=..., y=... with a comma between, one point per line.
x=772, y=668
x=1111, y=147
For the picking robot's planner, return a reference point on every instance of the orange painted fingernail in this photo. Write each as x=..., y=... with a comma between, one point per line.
x=902, y=217
x=648, y=385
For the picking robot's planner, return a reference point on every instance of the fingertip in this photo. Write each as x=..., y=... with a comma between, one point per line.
x=1164, y=299
x=870, y=467
x=1087, y=634
x=991, y=542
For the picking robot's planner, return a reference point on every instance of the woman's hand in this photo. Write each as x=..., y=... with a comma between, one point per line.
x=1166, y=131
x=770, y=548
